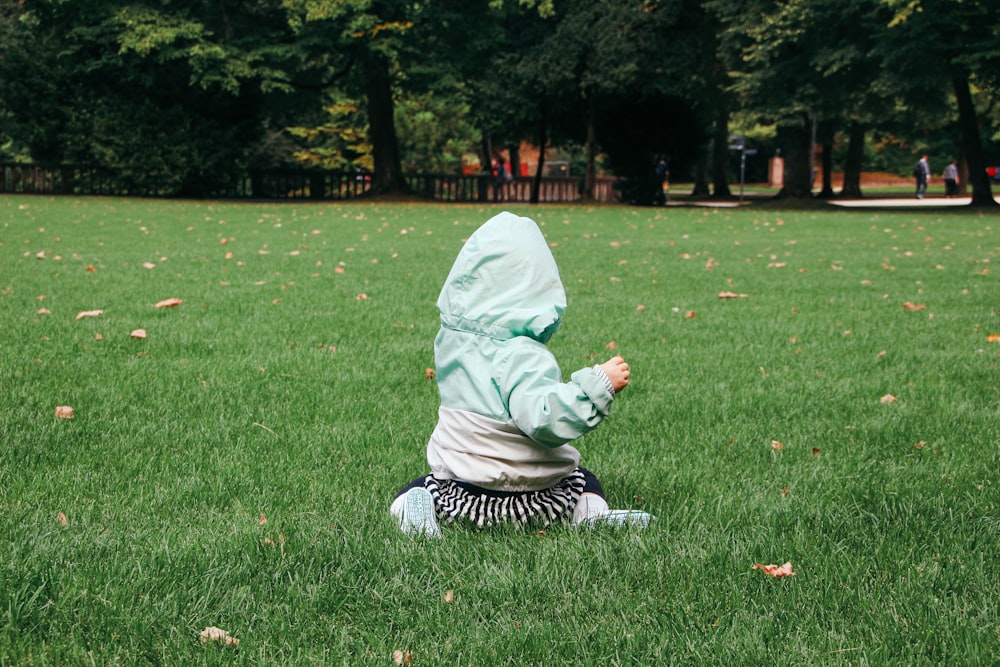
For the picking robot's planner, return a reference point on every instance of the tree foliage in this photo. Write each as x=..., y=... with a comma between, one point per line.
x=179, y=96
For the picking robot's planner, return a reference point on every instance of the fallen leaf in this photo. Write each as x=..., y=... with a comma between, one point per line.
x=44, y=311
x=888, y=398
x=815, y=451
x=214, y=634
x=262, y=521
x=169, y=303
x=98, y=336
x=449, y=596
x=776, y=445
x=640, y=308
x=920, y=445
x=775, y=570
x=91, y=269
x=612, y=345
x=63, y=521
x=148, y=265
x=138, y=333
x=401, y=657
x=362, y=297
x=690, y=315
x=64, y=412
x=913, y=306
x=89, y=313
x=429, y=373
x=993, y=338
x=732, y=295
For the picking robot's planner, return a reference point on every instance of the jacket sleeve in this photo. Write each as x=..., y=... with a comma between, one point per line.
x=549, y=411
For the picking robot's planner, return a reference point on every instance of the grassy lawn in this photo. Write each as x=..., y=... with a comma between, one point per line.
x=234, y=468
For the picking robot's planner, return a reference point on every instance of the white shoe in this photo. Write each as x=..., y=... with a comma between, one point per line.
x=619, y=519
x=418, y=516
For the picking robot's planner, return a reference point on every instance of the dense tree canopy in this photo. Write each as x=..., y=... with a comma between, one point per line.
x=179, y=96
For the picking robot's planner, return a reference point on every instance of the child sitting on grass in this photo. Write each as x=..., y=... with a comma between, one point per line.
x=499, y=453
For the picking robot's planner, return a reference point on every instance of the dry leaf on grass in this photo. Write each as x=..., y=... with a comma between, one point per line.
x=776, y=445
x=775, y=570
x=914, y=306
x=169, y=303
x=138, y=333
x=61, y=518
x=449, y=596
x=429, y=373
x=887, y=399
x=732, y=295
x=993, y=338
x=214, y=634
x=402, y=657
x=89, y=313
x=64, y=412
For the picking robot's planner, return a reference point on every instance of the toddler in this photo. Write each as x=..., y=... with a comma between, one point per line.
x=499, y=452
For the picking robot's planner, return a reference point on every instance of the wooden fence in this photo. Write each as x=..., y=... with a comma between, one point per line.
x=299, y=185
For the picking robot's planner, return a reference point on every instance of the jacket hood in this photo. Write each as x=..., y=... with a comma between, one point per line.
x=504, y=283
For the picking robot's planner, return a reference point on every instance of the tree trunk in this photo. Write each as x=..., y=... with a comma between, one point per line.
x=514, y=160
x=796, y=143
x=826, y=159
x=388, y=172
x=543, y=138
x=485, y=167
x=700, y=188
x=591, y=172
x=852, y=165
x=971, y=146
x=720, y=154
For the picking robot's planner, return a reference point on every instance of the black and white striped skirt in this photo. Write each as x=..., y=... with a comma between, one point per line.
x=455, y=501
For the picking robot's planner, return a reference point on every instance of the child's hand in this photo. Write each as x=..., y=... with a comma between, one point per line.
x=618, y=372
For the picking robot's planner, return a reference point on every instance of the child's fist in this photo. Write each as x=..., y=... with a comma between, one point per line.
x=618, y=372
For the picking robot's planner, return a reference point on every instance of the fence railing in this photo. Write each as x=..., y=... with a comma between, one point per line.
x=298, y=185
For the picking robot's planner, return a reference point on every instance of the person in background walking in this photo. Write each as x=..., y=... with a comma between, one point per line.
x=503, y=176
x=922, y=172
x=950, y=177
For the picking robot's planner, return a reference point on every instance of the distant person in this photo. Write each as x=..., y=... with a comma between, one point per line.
x=503, y=176
x=950, y=177
x=922, y=172
x=663, y=182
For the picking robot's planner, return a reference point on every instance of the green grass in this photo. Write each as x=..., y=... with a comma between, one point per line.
x=274, y=392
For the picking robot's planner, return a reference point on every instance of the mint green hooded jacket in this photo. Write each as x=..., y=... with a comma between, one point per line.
x=506, y=414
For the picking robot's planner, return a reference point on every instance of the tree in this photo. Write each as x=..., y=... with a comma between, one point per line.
x=362, y=42
x=929, y=53
x=172, y=99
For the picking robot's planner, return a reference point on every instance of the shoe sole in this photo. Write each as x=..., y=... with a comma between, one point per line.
x=418, y=514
